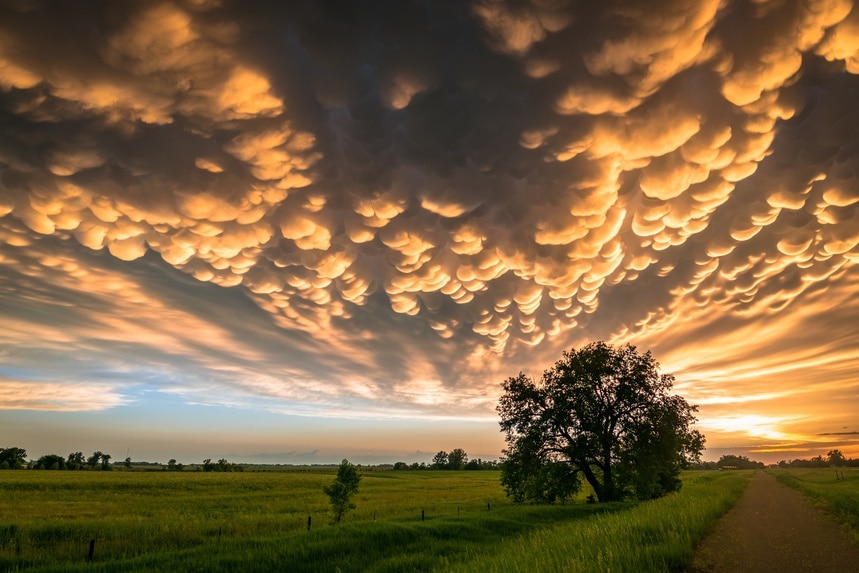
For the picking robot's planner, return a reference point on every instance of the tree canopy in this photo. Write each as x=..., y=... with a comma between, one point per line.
x=12, y=458
x=601, y=412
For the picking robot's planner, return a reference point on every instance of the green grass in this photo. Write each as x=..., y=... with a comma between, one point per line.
x=838, y=497
x=167, y=521
x=654, y=536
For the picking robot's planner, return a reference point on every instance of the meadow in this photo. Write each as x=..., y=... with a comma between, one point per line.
x=404, y=521
x=835, y=490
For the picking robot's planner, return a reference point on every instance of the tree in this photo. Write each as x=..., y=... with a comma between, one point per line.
x=12, y=458
x=456, y=459
x=835, y=458
x=127, y=463
x=604, y=413
x=340, y=492
x=50, y=462
x=440, y=461
x=738, y=462
x=75, y=461
x=222, y=465
x=94, y=459
x=105, y=461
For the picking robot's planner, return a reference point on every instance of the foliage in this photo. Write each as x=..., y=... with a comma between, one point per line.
x=527, y=477
x=13, y=458
x=439, y=461
x=739, y=462
x=50, y=462
x=835, y=458
x=222, y=465
x=456, y=459
x=340, y=492
x=75, y=461
x=601, y=412
x=731, y=461
x=479, y=464
x=174, y=466
x=94, y=459
x=831, y=459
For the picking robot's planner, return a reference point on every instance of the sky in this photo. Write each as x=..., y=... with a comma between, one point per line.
x=293, y=232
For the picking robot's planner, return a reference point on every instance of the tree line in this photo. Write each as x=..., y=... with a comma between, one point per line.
x=730, y=462
x=15, y=458
x=833, y=458
x=456, y=459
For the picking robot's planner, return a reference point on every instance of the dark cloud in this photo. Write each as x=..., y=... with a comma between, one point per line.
x=406, y=201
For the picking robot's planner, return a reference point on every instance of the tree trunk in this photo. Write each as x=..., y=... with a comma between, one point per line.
x=593, y=481
x=608, y=483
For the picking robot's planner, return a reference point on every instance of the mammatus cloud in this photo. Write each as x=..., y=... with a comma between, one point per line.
x=419, y=201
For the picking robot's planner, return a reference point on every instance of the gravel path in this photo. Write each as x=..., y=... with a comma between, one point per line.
x=773, y=528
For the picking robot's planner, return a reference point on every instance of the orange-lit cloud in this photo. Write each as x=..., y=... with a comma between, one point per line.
x=409, y=209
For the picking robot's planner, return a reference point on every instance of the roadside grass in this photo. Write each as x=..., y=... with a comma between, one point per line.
x=838, y=496
x=654, y=536
x=165, y=521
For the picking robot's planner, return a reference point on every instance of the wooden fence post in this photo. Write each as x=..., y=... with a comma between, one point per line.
x=91, y=549
x=422, y=515
x=308, y=523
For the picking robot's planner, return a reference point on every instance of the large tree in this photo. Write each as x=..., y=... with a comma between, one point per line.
x=601, y=412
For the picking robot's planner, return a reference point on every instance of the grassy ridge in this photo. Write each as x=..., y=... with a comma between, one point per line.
x=258, y=521
x=838, y=497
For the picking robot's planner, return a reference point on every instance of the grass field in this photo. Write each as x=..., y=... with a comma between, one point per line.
x=169, y=521
x=837, y=494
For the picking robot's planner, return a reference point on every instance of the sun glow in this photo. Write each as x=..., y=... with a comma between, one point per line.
x=752, y=425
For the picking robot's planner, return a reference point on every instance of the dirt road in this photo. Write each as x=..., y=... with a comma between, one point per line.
x=773, y=528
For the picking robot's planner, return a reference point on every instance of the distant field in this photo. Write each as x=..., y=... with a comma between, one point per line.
x=838, y=494
x=187, y=521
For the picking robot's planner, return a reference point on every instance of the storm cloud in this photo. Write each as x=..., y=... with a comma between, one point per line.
x=385, y=208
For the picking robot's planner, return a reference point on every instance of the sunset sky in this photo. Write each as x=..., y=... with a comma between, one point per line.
x=300, y=231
